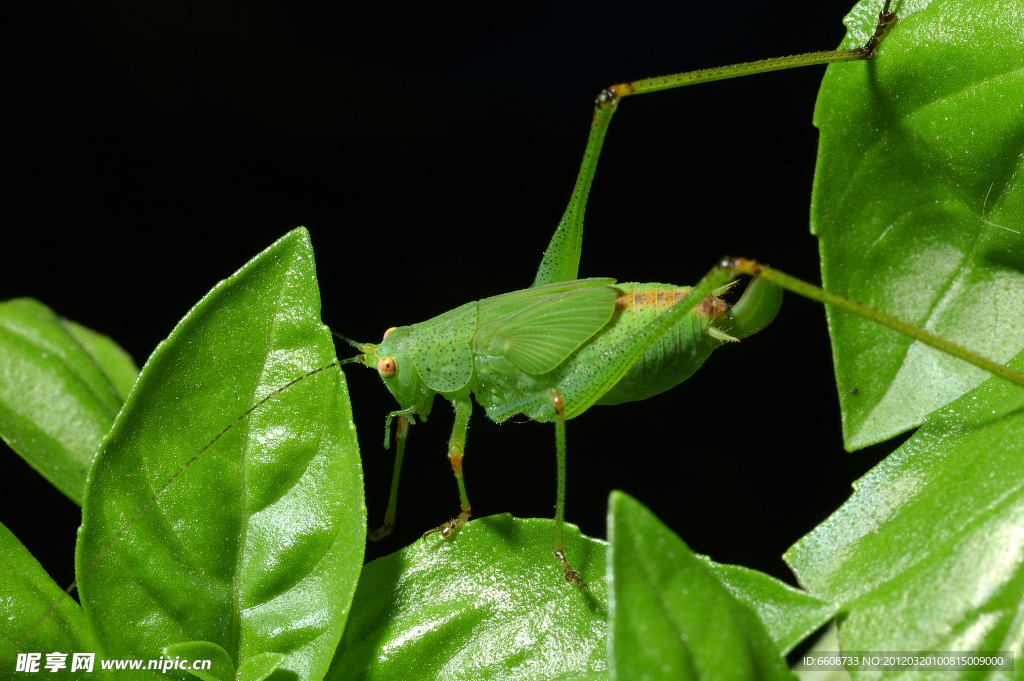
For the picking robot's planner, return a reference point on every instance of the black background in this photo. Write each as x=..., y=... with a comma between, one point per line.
x=153, y=148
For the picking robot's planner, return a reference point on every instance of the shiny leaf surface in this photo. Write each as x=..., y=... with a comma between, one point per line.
x=259, y=667
x=221, y=666
x=490, y=603
x=928, y=552
x=789, y=615
x=111, y=358
x=56, y=402
x=669, y=616
x=28, y=595
x=257, y=545
x=919, y=204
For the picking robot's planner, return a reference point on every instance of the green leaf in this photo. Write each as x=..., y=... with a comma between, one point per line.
x=919, y=205
x=28, y=594
x=257, y=545
x=789, y=615
x=259, y=667
x=221, y=666
x=928, y=553
x=669, y=616
x=489, y=603
x=111, y=358
x=56, y=404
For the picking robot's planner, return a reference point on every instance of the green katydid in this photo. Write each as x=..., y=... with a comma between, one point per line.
x=554, y=350
x=551, y=352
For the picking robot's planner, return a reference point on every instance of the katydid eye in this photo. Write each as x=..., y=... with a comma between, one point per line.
x=388, y=332
x=386, y=367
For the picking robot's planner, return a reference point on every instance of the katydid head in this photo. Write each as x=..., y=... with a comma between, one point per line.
x=392, y=360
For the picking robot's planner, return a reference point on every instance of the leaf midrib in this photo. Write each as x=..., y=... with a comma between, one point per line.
x=236, y=610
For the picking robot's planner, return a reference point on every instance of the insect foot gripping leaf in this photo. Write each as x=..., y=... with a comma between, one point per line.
x=253, y=548
x=919, y=206
x=477, y=606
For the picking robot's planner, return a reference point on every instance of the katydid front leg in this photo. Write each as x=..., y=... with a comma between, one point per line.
x=456, y=448
x=389, y=515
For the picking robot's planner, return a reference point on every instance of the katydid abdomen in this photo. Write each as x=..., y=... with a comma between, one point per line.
x=675, y=355
x=667, y=362
x=670, y=359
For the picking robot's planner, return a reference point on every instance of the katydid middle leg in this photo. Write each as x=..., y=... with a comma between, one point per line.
x=562, y=258
x=456, y=448
x=558, y=403
x=549, y=405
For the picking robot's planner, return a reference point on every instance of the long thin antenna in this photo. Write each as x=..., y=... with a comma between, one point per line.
x=358, y=346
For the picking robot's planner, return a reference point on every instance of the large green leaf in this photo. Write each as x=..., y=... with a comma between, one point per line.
x=58, y=394
x=490, y=603
x=669, y=616
x=919, y=204
x=928, y=553
x=256, y=546
x=28, y=594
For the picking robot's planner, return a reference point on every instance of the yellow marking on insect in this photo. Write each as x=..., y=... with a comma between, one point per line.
x=711, y=306
x=388, y=332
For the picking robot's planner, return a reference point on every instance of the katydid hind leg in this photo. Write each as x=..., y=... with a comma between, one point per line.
x=736, y=266
x=456, y=449
x=566, y=261
x=561, y=261
x=755, y=310
x=562, y=257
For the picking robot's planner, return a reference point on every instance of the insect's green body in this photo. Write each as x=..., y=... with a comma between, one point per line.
x=481, y=348
x=670, y=360
x=552, y=351
x=566, y=344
